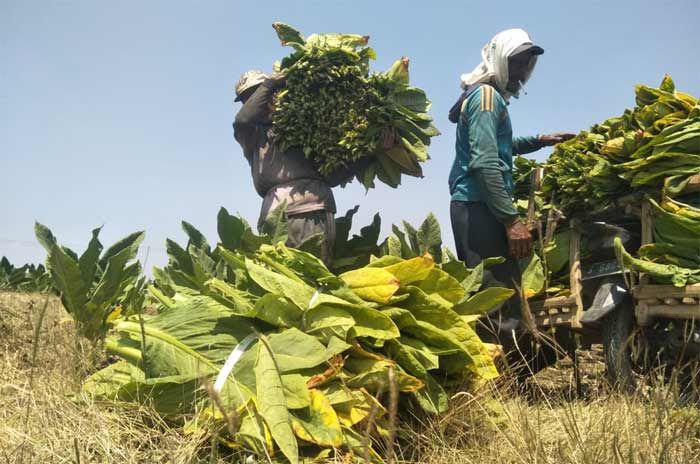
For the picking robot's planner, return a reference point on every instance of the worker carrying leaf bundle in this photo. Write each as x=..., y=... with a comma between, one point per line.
x=484, y=218
x=286, y=178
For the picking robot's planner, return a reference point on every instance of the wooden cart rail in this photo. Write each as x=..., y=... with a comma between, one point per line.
x=558, y=311
x=554, y=312
x=667, y=301
x=567, y=310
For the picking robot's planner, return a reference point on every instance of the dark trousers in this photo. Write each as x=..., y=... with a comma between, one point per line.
x=304, y=227
x=479, y=235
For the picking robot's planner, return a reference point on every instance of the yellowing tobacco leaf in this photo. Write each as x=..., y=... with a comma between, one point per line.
x=412, y=270
x=318, y=423
x=116, y=312
x=533, y=279
x=372, y=284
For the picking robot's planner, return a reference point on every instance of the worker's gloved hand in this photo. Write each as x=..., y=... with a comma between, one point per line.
x=558, y=137
x=388, y=137
x=519, y=240
x=277, y=81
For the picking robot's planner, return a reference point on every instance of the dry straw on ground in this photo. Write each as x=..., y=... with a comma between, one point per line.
x=45, y=419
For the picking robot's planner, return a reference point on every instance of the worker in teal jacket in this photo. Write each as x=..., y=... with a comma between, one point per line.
x=485, y=221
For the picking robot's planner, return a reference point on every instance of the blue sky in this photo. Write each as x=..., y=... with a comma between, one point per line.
x=119, y=113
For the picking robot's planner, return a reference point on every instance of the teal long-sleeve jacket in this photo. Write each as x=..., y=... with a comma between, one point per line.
x=483, y=166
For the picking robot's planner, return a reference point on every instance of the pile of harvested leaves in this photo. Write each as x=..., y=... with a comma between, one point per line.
x=278, y=357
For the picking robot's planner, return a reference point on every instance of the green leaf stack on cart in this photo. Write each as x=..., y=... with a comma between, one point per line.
x=652, y=152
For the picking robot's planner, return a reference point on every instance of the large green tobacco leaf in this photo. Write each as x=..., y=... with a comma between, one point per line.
x=431, y=396
x=281, y=284
x=179, y=258
x=484, y=301
x=556, y=253
x=421, y=352
x=66, y=275
x=357, y=445
x=203, y=266
x=326, y=321
x=115, y=276
x=475, y=277
x=194, y=337
x=353, y=253
x=88, y=260
x=271, y=401
x=288, y=35
x=305, y=266
x=230, y=229
x=368, y=322
x=130, y=242
x=660, y=273
x=122, y=381
x=296, y=395
x=443, y=328
x=430, y=237
x=254, y=435
x=196, y=238
x=241, y=302
x=533, y=279
x=295, y=352
x=439, y=284
x=278, y=311
x=107, y=383
x=669, y=253
x=679, y=229
x=275, y=224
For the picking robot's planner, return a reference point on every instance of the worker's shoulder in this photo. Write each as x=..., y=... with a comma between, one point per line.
x=485, y=98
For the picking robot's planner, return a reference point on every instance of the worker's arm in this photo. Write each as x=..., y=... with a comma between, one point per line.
x=484, y=111
x=256, y=113
x=256, y=110
x=525, y=145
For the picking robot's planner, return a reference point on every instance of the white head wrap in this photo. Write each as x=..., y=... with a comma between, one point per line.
x=494, y=65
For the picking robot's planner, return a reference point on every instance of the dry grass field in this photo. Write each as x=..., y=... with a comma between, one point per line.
x=45, y=419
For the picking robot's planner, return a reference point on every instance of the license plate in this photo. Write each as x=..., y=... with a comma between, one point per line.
x=601, y=269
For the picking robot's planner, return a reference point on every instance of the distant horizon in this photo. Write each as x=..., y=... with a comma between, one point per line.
x=120, y=114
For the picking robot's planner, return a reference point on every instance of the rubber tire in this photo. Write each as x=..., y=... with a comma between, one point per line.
x=618, y=328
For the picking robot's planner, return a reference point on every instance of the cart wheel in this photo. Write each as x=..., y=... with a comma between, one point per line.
x=619, y=346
